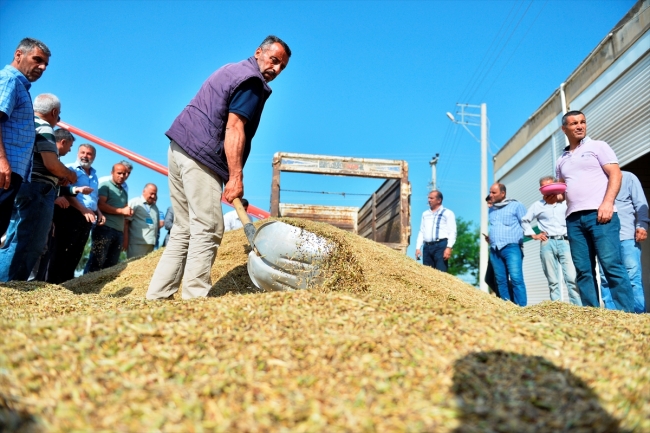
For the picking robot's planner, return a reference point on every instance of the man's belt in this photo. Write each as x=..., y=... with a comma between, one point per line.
x=561, y=237
x=434, y=241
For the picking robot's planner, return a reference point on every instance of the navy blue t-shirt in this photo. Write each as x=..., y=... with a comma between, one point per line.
x=246, y=99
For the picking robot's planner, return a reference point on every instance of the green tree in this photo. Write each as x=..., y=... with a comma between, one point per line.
x=465, y=257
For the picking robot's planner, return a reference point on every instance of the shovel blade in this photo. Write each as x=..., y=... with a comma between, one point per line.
x=290, y=257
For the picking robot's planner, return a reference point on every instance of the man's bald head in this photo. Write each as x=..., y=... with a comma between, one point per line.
x=119, y=173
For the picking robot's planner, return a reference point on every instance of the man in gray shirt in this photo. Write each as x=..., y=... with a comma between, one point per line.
x=554, y=250
x=632, y=208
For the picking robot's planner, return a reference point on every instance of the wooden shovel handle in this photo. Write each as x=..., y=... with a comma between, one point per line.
x=241, y=212
x=249, y=228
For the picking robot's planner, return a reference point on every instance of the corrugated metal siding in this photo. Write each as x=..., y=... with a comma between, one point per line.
x=522, y=183
x=620, y=115
x=560, y=144
x=536, y=283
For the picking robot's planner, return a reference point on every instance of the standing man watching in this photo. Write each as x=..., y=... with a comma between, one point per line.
x=437, y=234
x=17, y=132
x=590, y=170
x=210, y=142
x=141, y=229
x=506, y=243
x=632, y=208
x=108, y=239
x=129, y=169
x=32, y=214
x=554, y=251
x=73, y=223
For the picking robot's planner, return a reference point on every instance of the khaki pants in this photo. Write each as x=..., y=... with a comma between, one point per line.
x=195, y=193
x=138, y=250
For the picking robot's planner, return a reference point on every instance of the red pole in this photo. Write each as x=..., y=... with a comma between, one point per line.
x=252, y=210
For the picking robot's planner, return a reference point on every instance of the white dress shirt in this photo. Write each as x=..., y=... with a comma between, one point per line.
x=231, y=221
x=550, y=218
x=443, y=221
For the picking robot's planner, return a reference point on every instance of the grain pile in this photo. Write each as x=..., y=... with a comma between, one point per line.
x=386, y=345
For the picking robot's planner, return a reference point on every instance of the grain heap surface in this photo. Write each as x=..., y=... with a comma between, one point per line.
x=385, y=345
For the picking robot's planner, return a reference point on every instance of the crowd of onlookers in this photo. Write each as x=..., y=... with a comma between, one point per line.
x=590, y=213
x=48, y=210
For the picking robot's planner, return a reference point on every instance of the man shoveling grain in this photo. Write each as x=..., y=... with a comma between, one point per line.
x=210, y=142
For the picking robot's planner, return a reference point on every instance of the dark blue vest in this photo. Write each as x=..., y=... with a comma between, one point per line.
x=200, y=129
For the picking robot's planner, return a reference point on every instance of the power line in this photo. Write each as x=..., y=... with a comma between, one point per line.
x=478, y=86
x=515, y=50
x=480, y=65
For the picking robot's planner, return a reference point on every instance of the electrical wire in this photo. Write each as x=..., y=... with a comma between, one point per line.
x=514, y=51
x=478, y=86
x=487, y=52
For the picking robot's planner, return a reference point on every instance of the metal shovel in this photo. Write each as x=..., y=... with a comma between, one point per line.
x=284, y=257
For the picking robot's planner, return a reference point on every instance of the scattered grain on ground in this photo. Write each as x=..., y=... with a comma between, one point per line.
x=385, y=345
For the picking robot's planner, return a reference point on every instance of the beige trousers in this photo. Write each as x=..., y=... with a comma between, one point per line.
x=195, y=193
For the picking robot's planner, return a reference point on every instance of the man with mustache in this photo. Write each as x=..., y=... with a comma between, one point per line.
x=210, y=142
x=73, y=223
x=17, y=131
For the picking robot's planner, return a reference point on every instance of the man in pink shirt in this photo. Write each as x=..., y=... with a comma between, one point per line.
x=593, y=177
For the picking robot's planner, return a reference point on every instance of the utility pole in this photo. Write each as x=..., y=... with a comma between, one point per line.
x=432, y=185
x=483, y=256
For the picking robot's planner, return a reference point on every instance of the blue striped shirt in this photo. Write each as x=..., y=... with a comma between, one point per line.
x=505, y=224
x=18, y=131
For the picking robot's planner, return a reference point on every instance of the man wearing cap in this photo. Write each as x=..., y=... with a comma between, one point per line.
x=437, y=234
x=554, y=251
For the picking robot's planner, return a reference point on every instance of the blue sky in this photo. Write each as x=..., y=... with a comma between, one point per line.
x=369, y=79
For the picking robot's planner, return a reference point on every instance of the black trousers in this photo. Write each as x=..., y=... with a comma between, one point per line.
x=71, y=232
x=432, y=255
x=7, y=198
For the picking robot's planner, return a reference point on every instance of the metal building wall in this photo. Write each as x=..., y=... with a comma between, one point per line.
x=620, y=115
x=522, y=183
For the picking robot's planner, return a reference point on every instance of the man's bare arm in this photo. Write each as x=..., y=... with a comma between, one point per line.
x=87, y=213
x=106, y=208
x=234, y=146
x=57, y=168
x=606, y=208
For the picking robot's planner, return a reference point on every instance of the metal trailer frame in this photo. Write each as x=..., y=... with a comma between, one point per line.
x=376, y=219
